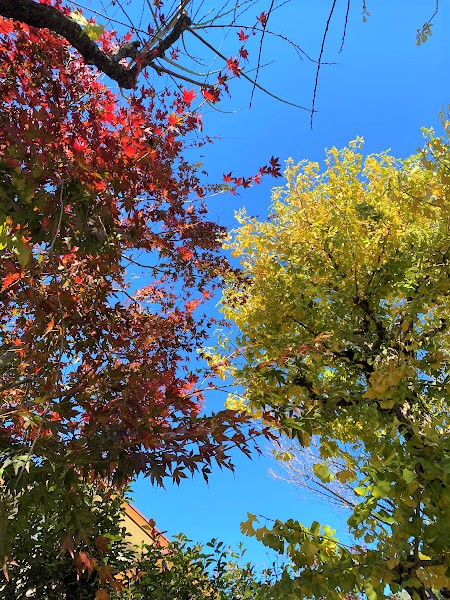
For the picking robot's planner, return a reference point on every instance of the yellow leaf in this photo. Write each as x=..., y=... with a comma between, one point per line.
x=406, y=324
x=91, y=29
x=424, y=556
x=387, y=404
x=392, y=562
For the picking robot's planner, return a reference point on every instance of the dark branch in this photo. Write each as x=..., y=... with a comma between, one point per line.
x=242, y=74
x=344, y=33
x=44, y=16
x=14, y=384
x=319, y=62
x=258, y=65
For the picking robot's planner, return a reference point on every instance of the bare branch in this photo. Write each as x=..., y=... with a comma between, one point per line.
x=319, y=62
x=344, y=33
x=260, y=87
x=297, y=48
x=261, y=41
x=44, y=16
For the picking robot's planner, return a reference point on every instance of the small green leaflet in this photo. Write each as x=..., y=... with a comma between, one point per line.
x=323, y=472
x=381, y=489
x=92, y=30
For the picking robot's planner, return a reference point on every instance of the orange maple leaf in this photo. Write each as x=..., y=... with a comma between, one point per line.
x=6, y=26
x=10, y=279
x=50, y=325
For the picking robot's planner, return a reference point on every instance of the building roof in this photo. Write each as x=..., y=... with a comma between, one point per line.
x=140, y=529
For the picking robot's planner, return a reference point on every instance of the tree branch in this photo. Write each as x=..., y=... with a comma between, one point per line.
x=13, y=384
x=43, y=16
x=319, y=62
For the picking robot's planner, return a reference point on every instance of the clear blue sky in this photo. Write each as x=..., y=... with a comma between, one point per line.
x=384, y=89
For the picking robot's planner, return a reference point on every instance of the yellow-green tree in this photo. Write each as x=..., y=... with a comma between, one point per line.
x=343, y=314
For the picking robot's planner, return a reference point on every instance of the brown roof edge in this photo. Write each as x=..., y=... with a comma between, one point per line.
x=143, y=523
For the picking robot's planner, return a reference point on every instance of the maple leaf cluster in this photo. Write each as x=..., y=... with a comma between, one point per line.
x=273, y=169
x=93, y=372
x=98, y=381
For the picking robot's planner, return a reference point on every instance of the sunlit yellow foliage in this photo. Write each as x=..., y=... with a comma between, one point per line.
x=343, y=325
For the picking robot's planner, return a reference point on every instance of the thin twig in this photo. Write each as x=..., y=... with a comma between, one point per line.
x=261, y=41
x=344, y=33
x=159, y=69
x=260, y=87
x=319, y=62
x=268, y=32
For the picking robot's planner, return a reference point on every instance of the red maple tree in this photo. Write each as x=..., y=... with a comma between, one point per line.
x=95, y=383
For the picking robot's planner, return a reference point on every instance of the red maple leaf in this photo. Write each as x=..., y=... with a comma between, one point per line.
x=191, y=305
x=129, y=148
x=233, y=65
x=79, y=146
x=173, y=119
x=211, y=94
x=186, y=254
x=242, y=35
x=263, y=19
x=188, y=96
x=275, y=162
x=221, y=79
x=275, y=168
x=6, y=26
x=243, y=53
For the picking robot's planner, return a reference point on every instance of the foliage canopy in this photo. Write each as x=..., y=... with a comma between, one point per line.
x=343, y=314
x=95, y=384
x=106, y=565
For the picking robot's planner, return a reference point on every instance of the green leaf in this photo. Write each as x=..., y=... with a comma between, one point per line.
x=247, y=526
x=445, y=465
x=309, y=548
x=272, y=541
x=360, y=491
x=423, y=34
x=386, y=404
x=22, y=250
x=381, y=489
x=408, y=475
x=370, y=592
x=315, y=528
x=323, y=472
x=329, y=531
x=385, y=517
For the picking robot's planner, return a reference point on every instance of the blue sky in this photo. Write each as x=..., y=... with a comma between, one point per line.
x=385, y=88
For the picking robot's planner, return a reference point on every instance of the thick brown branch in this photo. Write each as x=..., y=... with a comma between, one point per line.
x=44, y=16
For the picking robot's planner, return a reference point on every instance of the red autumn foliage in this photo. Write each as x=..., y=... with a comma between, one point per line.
x=233, y=66
x=100, y=384
x=263, y=19
x=188, y=96
x=242, y=35
x=243, y=52
x=211, y=94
